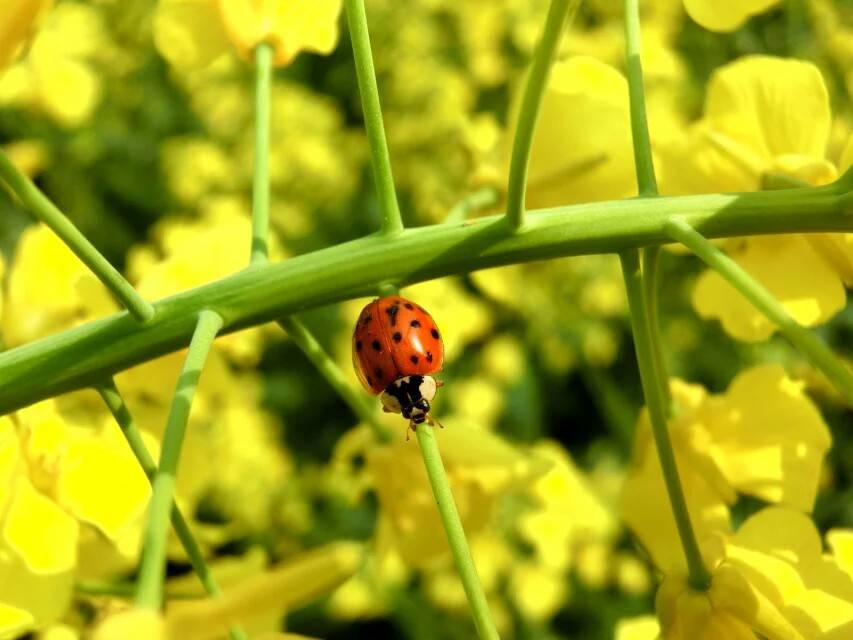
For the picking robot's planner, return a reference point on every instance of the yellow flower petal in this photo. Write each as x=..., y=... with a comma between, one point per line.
x=13, y=621
x=639, y=628
x=17, y=20
x=132, y=624
x=189, y=33
x=792, y=271
x=725, y=15
x=582, y=144
x=290, y=26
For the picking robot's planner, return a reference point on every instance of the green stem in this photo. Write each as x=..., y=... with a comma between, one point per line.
x=43, y=209
x=639, y=122
x=87, y=354
x=804, y=340
x=651, y=286
x=455, y=533
x=529, y=113
x=152, y=569
x=261, y=177
x=379, y=156
x=698, y=575
x=329, y=369
x=114, y=401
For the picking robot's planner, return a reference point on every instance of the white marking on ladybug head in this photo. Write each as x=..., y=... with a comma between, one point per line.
x=390, y=403
x=428, y=388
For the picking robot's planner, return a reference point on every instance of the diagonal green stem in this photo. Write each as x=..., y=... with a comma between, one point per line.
x=698, y=575
x=261, y=176
x=367, y=88
x=329, y=369
x=804, y=340
x=455, y=533
x=43, y=209
x=522, y=143
x=152, y=570
x=114, y=401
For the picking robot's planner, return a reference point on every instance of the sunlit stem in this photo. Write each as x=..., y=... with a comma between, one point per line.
x=43, y=209
x=698, y=575
x=531, y=101
x=114, y=401
x=152, y=569
x=804, y=340
x=261, y=177
x=455, y=533
x=329, y=369
x=367, y=88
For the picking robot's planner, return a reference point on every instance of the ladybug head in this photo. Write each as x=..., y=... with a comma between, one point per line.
x=417, y=412
x=410, y=396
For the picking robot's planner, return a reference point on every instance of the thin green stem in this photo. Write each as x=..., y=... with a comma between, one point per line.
x=329, y=369
x=639, y=122
x=651, y=287
x=804, y=340
x=261, y=176
x=698, y=575
x=152, y=569
x=114, y=401
x=455, y=533
x=367, y=88
x=87, y=354
x=529, y=113
x=43, y=209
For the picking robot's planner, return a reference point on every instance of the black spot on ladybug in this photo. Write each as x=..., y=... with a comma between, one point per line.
x=434, y=333
x=358, y=345
x=429, y=356
x=376, y=346
x=415, y=323
x=369, y=381
x=409, y=306
x=392, y=314
x=397, y=336
x=414, y=359
x=378, y=373
x=366, y=319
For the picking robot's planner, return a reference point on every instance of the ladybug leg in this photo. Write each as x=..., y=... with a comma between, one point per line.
x=412, y=427
x=386, y=410
x=432, y=422
x=439, y=384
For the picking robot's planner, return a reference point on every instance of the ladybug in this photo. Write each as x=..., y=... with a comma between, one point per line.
x=396, y=349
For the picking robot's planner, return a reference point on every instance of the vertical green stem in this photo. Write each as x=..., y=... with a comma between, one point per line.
x=529, y=113
x=152, y=570
x=314, y=351
x=261, y=177
x=698, y=575
x=639, y=122
x=804, y=340
x=455, y=533
x=46, y=211
x=114, y=401
x=651, y=286
x=379, y=156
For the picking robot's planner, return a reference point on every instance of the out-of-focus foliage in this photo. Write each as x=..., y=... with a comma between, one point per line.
x=137, y=120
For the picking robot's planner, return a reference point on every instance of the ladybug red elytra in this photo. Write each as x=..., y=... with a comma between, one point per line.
x=396, y=347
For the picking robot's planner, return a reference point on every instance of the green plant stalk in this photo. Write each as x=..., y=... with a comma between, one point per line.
x=380, y=159
x=261, y=175
x=651, y=285
x=804, y=340
x=329, y=369
x=115, y=403
x=152, y=568
x=698, y=575
x=528, y=114
x=43, y=209
x=87, y=354
x=455, y=533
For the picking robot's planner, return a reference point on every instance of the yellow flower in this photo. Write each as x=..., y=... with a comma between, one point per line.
x=16, y=23
x=725, y=15
x=132, y=624
x=582, y=145
x=764, y=116
x=639, y=628
x=763, y=437
x=193, y=33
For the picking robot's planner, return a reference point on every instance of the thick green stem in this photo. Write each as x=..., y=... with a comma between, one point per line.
x=87, y=354
x=379, y=156
x=329, y=369
x=153, y=566
x=455, y=533
x=43, y=209
x=698, y=575
x=529, y=112
x=804, y=340
x=261, y=177
x=114, y=401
